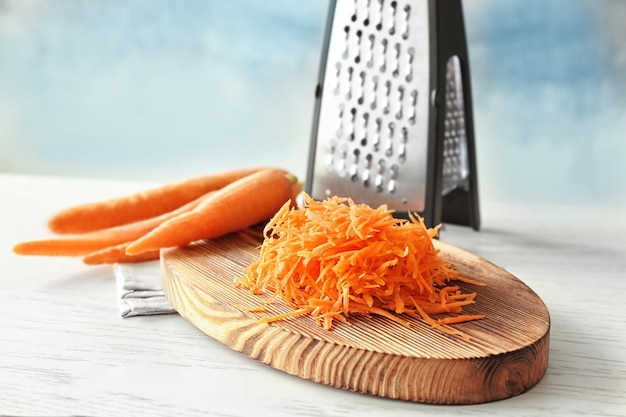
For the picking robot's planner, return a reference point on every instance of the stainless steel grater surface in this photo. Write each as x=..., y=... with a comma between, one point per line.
x=373, y=122
x=382, y=133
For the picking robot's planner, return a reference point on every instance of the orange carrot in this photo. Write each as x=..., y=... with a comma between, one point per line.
x=142, y=205
x=334, y=258
x=241, y=204
x=117, y=254
x=81, y=244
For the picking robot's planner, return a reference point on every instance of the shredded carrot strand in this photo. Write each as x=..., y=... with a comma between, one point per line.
x=333, y=258
x=460, y=319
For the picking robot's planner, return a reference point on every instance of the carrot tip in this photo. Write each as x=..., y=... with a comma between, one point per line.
x=291, y=178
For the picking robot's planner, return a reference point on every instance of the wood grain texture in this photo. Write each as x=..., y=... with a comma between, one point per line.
x=507, y=352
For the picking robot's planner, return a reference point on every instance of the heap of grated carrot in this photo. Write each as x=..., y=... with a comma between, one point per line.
x=334, y=258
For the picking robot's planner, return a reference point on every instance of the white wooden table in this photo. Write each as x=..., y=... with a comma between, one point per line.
x=64, y=350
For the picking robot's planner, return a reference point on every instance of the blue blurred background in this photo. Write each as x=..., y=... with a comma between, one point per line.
x=164, y=89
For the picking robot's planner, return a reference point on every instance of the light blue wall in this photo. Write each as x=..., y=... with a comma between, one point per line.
x=163, y=89
x=550, y=98
x=156, y=88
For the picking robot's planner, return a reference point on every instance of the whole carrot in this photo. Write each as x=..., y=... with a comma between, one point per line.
x=81, y=244
x=240, y=204
x=117, y=254
x=142, y=205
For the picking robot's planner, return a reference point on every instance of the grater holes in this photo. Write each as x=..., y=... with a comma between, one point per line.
x=404, y=138
x=341, y=161
x=394, y=171
x=409, y=64
x=400, y=98
x=379, y=178
x=349, y=83
x=402, y=152
x=383, y=54
x=455, y=169
x=407, y=15
x=354, y=167
x=346, y=50
x=361, y=94
x=379, y=14
x=370, y=50
x=339, y=132
x=377, y=78
x=354, y=157
x=387, y=97
x=413, y=107
x=359, y=36
x=364, y=127
x=354, y=173
x=392, y=17
x=378, y=183
x=376, y=144
x=337, y=88
x=365, y=175
x=396, y=60
x=368, y=160
x=330, y=158
x=352, y=126
x=374, y=92
x=392, y=185
x=332, y=146
x=391, y=127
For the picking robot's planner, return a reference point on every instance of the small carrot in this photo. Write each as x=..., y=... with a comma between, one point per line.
x=142, y=205
x=85, y=243
x=117, y=254
x=241, y=204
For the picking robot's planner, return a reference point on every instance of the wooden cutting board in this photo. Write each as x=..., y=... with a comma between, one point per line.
x=507, y=352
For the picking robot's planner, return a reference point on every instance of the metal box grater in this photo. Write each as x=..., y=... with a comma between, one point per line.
x=393, y=118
